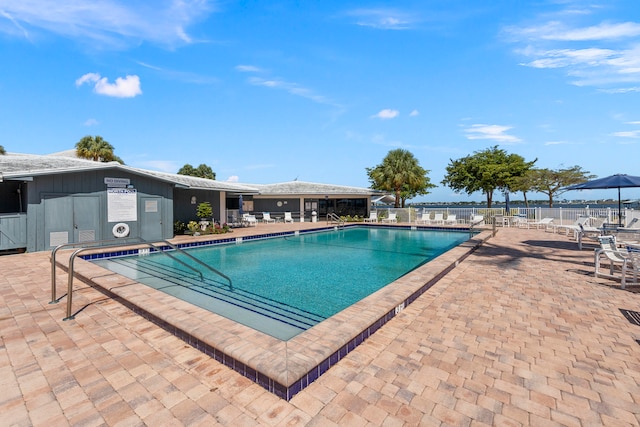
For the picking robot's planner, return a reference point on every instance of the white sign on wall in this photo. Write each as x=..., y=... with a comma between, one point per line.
x=122, y=204
x=117, y=182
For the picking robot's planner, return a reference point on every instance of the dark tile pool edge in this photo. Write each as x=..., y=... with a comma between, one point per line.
x=281, y=390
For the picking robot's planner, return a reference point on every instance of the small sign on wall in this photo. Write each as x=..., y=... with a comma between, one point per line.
x=117, y=182
x=122, y=204
x=151, y=206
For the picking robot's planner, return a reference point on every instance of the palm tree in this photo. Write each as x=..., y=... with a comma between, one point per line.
x=400, y=172
x=96, y=149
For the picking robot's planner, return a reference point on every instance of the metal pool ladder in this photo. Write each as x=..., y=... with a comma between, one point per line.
x=332, y=217
x=117, y=243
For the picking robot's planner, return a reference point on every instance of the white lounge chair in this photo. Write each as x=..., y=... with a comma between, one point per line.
x=425, y=218
x=266, y=217
x=451, y=219
x=438, y=218
x=373, y=217
x=391, y=218
x=287, y=217
x=587, y=231
x=614, y=256
x=575, y=227
x=249, y=220
x=476, y=220
x=546, y=223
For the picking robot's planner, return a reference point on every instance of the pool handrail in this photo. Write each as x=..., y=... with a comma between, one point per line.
x=140, y=242
x=116, y=242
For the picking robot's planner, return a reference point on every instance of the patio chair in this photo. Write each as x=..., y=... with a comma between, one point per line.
x=392, y=218
x=501, y=221
x=520, y=222
x=546, y=223
x=425, y=218
x=476, y=220
x=438, y=218
x=634, y=261
x=575, y=227
x=614, y=256
x=249, y=220
x=587, y=231
x=287, y=217
x=451, y=219
x=266, y=217
x=373, y=217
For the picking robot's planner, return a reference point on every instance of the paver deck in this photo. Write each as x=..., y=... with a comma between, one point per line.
x=520, y=333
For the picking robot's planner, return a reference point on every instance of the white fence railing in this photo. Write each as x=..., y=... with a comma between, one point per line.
x=560, y=215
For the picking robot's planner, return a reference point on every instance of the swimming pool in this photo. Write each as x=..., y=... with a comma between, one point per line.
x=284, y=367
x=283, y=286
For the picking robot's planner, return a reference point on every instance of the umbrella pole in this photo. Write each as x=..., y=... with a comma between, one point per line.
x=619, y=209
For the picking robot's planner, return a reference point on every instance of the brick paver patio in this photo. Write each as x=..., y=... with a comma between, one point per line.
x=519, y=334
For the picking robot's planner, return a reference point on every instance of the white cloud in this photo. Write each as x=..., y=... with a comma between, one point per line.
x=233, y=178
x=414, y=113
x=383, y=19
x=106, y=23
x=605, y=54
x=292, y=88
x=556, y=143
x=127, y=87
x=90, y=122
x=386, y=114
x=492, y=132
x=628, y=134
x=248, y=69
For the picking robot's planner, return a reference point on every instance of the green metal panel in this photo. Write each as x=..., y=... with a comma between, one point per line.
x=86, y=218
x=151, y=218
x=13, y=231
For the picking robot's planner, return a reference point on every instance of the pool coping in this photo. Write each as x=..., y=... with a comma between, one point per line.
x=282, y=367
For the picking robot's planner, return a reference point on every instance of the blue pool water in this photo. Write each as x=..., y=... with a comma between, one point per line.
x=283, y=286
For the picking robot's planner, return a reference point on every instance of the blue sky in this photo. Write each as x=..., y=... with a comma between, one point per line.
x=273, y=91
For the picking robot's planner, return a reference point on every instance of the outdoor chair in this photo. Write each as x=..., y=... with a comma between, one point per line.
x=373, y=217
x=438, y=218
x=613, y=256
x=634, y=261
x=391, y=218
x=501, y=221
x=546, y=223
x=425, y=218
x=266, y=217
x=476, y=220
x=575, y=227
x=287, y=217
x=451, y=219
x=520, y=222
x=587, y=231
x=249, y=220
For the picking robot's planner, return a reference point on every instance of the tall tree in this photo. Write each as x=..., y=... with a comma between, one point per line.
x=552, y=182
x=486, y=171
x=2, y=151
x=401, y=173
x=202, y=171
x=96, y=149
x=523, y=183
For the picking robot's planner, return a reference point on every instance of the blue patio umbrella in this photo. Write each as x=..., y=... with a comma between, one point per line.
x=240, y=205
x=507, y=207
x=614, y=181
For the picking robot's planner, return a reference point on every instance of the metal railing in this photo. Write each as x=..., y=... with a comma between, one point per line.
x=561, y=215
x=92, y=244
x=150, y=245
x=332, y=217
